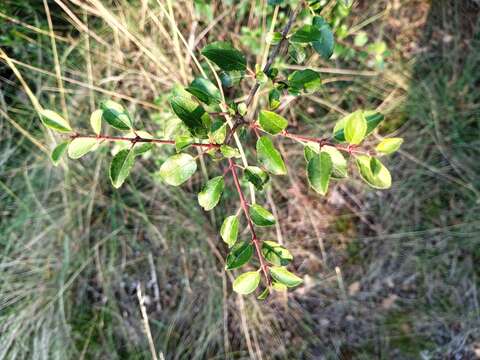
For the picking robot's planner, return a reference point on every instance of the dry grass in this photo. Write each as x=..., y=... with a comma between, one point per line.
x=387, y=275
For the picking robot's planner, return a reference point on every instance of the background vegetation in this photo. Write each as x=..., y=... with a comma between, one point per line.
x=389, y=275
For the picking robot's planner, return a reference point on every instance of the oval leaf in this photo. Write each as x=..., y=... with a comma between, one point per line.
x=54, y=121
x=306, y=34
x=209, y=197
x=177, y=169
x=355, y=128
x=261, y=216
x=373, y=120
x=229, y=230
x=246, y=283
x=189, y=111
x=58, y=152
x=269, y=157
x=240, y=254
x=319, y=170
x=285, y=277
x=256, y=176
x=225, y=56
x=373, y=172
x=275, y=253
x=229, y=152
x=80, y=146
x=96, y=121
x=120, y=167
x=324, y=46
x=306, y=80
x=116, y=115
x=272, y=122
x=205, y=91
x=339, y=163
x=389, y=146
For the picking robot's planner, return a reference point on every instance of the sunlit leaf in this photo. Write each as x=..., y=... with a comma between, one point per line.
x=389, y=146
x=58, y=152
x=116, y=115
x=229, y=230
x=272, y=122
x=120, y=166
x=269, y=157
x=319, y=170
x=256, y=176
x=261, y=216
x=177, y=169
x=246, y=283
x=373, y=172
x=54, y=121
x=355, y=128
x=210, y=195
x=285, y=277
x=276, y=253
x=80, y=146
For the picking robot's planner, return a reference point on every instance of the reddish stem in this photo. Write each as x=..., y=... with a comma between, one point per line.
x=244, y=205
x=138, y=139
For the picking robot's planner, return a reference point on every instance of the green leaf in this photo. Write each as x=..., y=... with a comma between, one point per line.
x=319, y=170
x=120, y=166
x=190, y=112
x=275, y=253
x=355, y=128
x=269, y=157
x=306, y=34
x=389, y=146
x=96, y=121
x=182, y=142
x=58, y=152
x=240, y=254
x=297, y=52
x=373, y=120
x=210, y=195
x=246, y=283
x=229, y=152
x=218, y=132
x=80, y=146
x=274, y=99
x=54, y=121
x=205, y=91
x=225, y=56
x=310, y=150
x=274, y=38
x=272, y=122
x=229, y=230
x=257, y=176
x=115, y=114
x=275, y=2
x=373, y=172
x=306, y=80
x=325, y=44
x=177, y=169
x=339, y=163
x=261, y=216
x=285, y=277
x=264, y=294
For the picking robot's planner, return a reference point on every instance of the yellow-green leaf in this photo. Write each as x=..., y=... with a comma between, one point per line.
x=210, y=195
x=229, y=230
x=261, y=216
x=246, y=283
x=275, y=253
x=120, y=166
x=54, y=121
x=177, y=169
x=239, y=255
x=355, y=128
x=58, y=152
x=80, y=146
x=389, y=146
x=319, y=170
x=269, y=157
x=285, y=277
x=96, y=121
x=272, y=122
x=373, y=172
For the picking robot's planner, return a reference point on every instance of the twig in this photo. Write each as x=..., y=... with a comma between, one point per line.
x=141, y=302
x=138, y=139
x=244, y=205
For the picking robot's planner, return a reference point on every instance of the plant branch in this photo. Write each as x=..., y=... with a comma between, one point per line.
x=244, y=205
x=138, y=139
x=274, y=53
